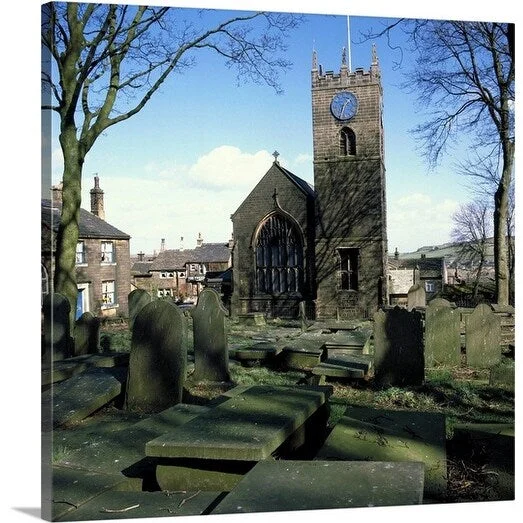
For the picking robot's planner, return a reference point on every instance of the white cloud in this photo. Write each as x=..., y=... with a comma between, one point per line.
x=416, y=220
x=228, y=167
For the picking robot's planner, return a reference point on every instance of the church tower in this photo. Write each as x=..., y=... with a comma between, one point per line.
x=349, y=182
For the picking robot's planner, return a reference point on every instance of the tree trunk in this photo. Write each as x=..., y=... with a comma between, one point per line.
x=67, y=237
x=501, y=265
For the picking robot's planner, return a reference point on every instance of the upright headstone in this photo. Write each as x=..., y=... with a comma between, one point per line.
x=442, y=334
x=158, y=358
x=57, y=330
x=211, y=354
x=137, y=300
x=483, y=337
x=416, y=297
x=398, y=348
x=302, y=311
x=87, y=334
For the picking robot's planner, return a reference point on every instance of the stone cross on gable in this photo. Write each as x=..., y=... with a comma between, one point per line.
x=276, y=154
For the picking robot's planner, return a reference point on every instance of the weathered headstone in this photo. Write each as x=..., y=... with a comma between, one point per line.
x=211, y=355
x=442, y=334
x=87, y=334
x=137, y=300
x=57, y=331
x=416, y=297
x=302, y=313
x=158, y=358
x=503, y=374
x=483, y=337
x=398, y=348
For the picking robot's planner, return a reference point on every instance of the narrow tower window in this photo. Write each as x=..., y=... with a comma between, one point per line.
x=347, y=142
x=348, y=272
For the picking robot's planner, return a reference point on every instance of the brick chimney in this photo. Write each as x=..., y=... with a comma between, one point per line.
x=97, y=200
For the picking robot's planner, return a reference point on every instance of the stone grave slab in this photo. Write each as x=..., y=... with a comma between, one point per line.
x=78, y=397
x=442, y=334
x=224, y=443
x=311, y=485
x=344, y=366
x=64, y=369
x=118, y=446
x=385, y=435
x=72, y=488
x=123, y=505
x=252, y=319
x=348, y=342
x=301, y=353
x=483, y=337
x=261, y=351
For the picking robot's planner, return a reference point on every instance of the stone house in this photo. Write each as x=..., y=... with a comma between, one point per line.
x=403, y=273
x=181, y=273
x=103, y=268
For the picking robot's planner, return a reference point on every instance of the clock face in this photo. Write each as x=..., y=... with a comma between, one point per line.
x=344, y=105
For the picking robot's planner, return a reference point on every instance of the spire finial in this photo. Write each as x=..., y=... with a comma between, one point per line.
x=276, y=154
x=344, y=57
x=314, y=60
x=374, y=55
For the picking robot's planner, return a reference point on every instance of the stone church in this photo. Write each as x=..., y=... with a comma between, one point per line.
x=324, y=245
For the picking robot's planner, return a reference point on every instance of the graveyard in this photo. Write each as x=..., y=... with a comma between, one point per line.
x=191, y=412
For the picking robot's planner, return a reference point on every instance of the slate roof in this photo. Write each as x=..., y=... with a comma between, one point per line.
x=430, y=267
x=141, y=268
x=90, y=226
x=302, y=184
x=172, y=259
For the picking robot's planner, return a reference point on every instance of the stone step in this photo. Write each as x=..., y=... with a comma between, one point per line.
x=313, y=485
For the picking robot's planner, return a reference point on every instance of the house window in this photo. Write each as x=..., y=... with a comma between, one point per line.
x=279, y=257
x=107, y=252
x=108, y=293
x=167, y=275
x=81, y=257
x=347, y=142
x=162, y=293
x=348, y=271
x=430, y=286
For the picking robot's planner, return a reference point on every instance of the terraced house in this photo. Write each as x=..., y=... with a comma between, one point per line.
x=103, y=271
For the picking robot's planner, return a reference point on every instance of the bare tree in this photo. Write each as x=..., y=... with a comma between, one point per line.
x=104, y=62
x=464, y=79
x=472, y=231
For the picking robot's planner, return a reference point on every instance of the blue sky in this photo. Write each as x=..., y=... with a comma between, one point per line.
x=183, y=164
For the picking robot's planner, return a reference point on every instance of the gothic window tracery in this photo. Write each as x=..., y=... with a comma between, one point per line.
x=279, y=257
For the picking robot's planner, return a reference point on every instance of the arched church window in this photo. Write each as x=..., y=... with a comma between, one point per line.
x=279, y=257
x=347, y=142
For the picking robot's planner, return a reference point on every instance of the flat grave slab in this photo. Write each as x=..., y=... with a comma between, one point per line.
x=250, y=426
x=123, y=505
x=312, y=485
x=344, y=366
x=113, y=447
x=63, y=369
x=79, y=396
x=72, y=488
x=348, y=342
x=386, y=435
x=302, y=353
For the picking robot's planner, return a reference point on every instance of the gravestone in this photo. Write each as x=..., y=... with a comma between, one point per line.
x=138, y=299
x=483, y=337
x=211, y=355
x=158, y=358
x=416, y=297
x=87, y=334
x=442, y=334
x=57, y=331
x=398, y=348
x=302, y=313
